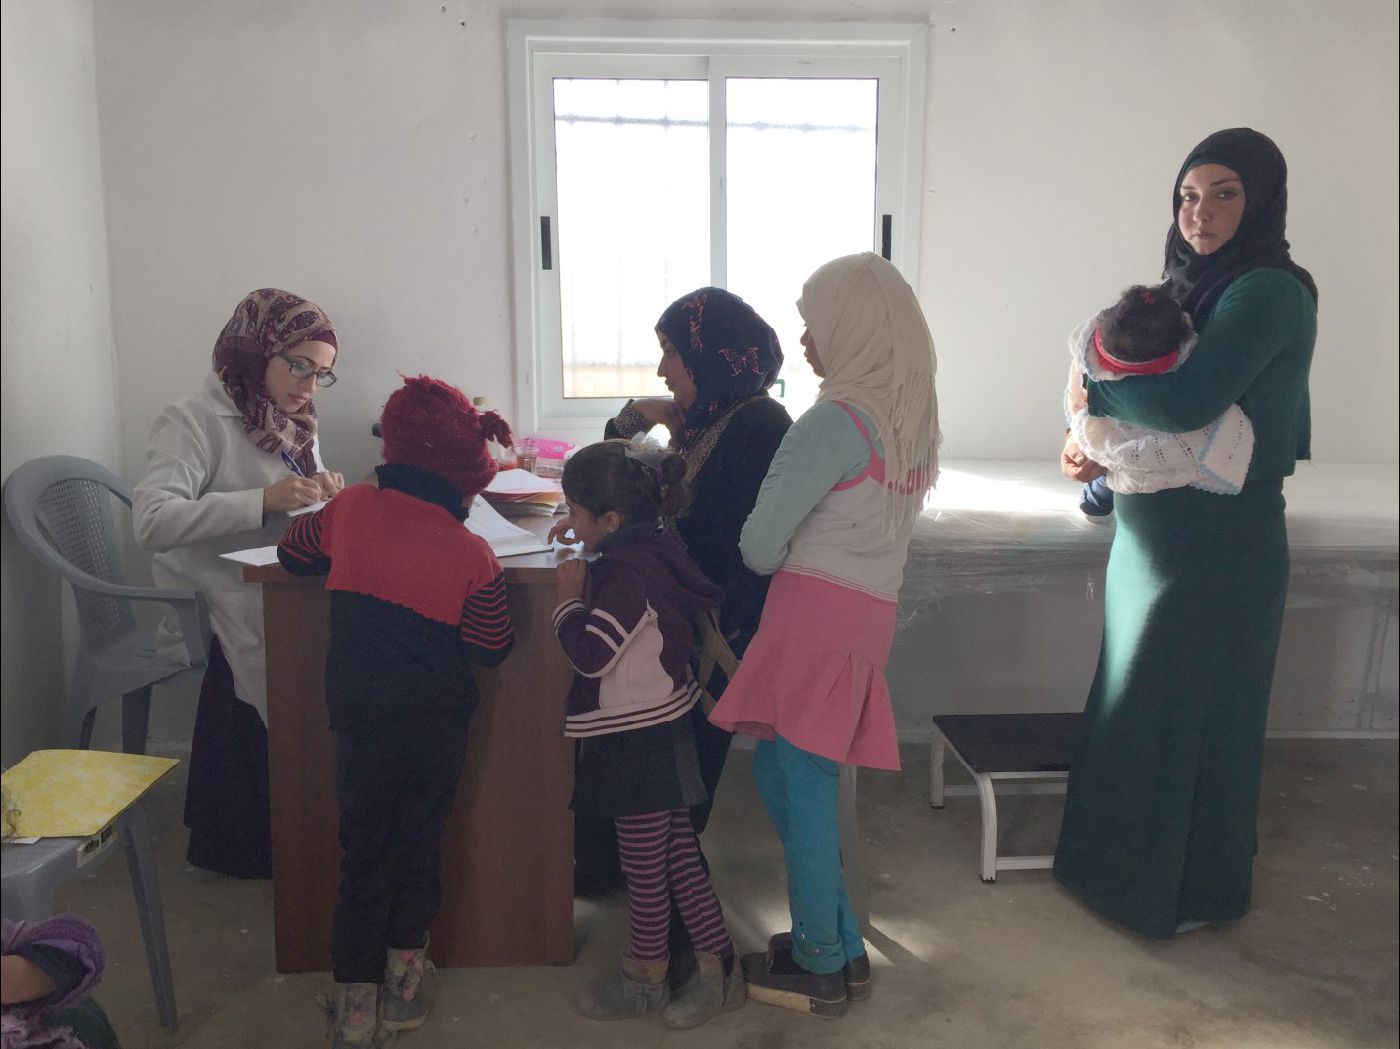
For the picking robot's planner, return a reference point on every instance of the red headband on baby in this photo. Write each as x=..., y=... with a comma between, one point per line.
x=1153, y=367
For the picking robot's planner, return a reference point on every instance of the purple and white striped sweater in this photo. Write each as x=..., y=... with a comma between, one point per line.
x=630, y=638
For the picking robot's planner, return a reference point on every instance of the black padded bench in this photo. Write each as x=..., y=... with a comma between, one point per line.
x=996, y=747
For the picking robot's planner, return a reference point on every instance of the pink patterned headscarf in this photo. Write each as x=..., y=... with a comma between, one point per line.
x=269, y=322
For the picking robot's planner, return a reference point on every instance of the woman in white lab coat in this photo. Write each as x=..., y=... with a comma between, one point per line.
x=223, y=468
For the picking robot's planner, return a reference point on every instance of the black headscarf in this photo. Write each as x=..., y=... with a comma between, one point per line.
x=1197, y=281
x=729, y=350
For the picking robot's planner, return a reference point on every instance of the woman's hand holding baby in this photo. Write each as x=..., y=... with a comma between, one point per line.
x=1077, y=466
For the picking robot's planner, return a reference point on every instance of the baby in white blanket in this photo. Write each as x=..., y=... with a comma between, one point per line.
x=1146, y=333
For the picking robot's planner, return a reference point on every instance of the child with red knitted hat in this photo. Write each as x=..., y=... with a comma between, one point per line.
x=415, y=600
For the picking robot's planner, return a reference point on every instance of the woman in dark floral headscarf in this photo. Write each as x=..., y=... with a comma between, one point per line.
x=223, y=467
x=267, y=325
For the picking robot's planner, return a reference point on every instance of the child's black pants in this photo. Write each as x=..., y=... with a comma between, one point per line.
x=394, y=785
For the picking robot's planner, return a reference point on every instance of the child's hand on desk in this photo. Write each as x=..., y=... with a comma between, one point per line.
x=562, y=531
x=331, y=483
x=568, y=579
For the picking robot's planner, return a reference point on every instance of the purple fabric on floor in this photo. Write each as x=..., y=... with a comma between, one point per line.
x=21, y=1025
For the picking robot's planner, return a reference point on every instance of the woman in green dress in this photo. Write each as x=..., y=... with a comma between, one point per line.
x=1159, y=826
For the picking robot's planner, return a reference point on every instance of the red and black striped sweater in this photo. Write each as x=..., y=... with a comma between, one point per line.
x=415, y=598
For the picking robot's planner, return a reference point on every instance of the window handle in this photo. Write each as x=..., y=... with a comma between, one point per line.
x=547, y=245
x=886, y=235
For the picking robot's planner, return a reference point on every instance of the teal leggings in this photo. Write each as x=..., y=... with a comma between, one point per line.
x=800, y=792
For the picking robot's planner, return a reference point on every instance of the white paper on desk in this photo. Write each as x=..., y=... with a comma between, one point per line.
x=522, y=482
x=257, y=557
x=504, y=538
x=306, y=509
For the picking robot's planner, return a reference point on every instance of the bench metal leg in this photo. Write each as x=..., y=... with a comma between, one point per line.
x=141, y=864
x=938, y=746
x=988, y=798
x=852, y=855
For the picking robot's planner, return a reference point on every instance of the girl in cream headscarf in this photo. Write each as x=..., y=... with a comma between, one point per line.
x=832, y=525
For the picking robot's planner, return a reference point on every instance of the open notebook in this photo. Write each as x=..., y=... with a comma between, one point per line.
x=504, y=538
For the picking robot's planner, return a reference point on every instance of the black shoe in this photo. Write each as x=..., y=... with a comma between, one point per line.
x=856, y=971
x=683, y=964
x=589, y=886
x=774, y=977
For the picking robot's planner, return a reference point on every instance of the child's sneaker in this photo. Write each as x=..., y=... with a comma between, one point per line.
x=640, y=988
x=403, y=1004
x=776, y=978
x=708, y=992
x=856, y=971
x=355, y=1018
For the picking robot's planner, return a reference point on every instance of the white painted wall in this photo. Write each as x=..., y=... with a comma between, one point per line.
x=59, y=386
x=355, y=152
x=1055, y=130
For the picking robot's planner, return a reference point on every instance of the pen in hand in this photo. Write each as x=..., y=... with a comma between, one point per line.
x=292, y=492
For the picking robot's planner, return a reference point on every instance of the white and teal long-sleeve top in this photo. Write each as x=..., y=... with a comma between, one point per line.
x=821, y=509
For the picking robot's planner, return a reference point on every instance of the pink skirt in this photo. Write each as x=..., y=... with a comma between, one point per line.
x=815, y=673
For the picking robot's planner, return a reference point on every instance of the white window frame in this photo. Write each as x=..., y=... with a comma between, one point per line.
x=538, y=50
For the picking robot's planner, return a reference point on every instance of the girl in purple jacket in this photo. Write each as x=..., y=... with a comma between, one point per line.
x=625, y=623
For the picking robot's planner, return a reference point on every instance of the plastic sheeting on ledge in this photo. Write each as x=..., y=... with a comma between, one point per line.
x=1007, y=526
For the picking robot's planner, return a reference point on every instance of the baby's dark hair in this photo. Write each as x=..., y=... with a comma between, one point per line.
x=612, y=476
x=1144, y=324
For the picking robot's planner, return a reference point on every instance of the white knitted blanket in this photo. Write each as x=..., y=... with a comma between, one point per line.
x=1214, y=458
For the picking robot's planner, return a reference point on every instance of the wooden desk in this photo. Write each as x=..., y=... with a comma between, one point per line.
x=507, y=853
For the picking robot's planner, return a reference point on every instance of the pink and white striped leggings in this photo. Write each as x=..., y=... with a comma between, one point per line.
x=661, y=861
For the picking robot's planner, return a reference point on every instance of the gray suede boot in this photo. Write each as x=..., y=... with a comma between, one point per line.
x=707, y=993
x=404, y=1004
x=640, y=988
x=355, y=1017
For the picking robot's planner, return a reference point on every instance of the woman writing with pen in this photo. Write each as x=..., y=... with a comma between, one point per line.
x=223, y=468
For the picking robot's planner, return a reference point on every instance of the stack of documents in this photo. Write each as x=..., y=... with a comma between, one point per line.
x=504, y=538
x=519, y=491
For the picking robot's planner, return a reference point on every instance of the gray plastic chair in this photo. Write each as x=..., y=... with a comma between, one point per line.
x=60, y=507
x=33, y=873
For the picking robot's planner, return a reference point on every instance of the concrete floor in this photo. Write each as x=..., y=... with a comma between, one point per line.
x=958, y=963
